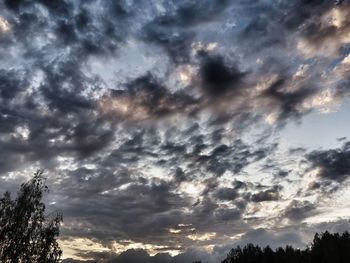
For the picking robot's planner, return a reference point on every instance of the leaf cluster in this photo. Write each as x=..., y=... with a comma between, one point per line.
x=27, y=235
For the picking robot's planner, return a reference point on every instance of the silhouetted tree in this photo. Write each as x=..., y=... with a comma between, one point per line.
x=26, y=234
x=331, y=248
x=325, y=248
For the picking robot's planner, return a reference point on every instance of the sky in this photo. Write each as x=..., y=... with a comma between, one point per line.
x=173, y=130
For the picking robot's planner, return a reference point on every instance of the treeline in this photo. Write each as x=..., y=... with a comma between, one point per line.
x=325, y=248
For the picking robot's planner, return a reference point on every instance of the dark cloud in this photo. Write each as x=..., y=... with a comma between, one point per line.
x=192, y=13
x=70, y=260
x=12, y=82
x=133, y=256
x=173, y=30
x=176, y=45
x=146, y=98
x=141, y=256
x=297, y=211
x=228, y=214
x=271, y=25
x=288, y=103
x=333, y=164
x=267, y=195
x=133, y=153
x=233, y=158
x=59, y=8
x=84, y=33
x=259, y=236
x=341, y=139
x=218, y=78
x=320, y=34
x=112, y=197
x=262, y=31
x=301, y=11
x=264, y=237
x=88, y=182
x=229, y=194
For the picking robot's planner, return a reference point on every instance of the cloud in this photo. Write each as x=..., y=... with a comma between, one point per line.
x=173, y=31
x=219, y=79
x=141, y=256
x=259, y=236
x=332, y=164
x=145, y=98
x=263, y=237
x=267, y=195
x=297, y=211
x=12, y=82
x=179, y=133
x=70, y=260
x=324, y=35
x=226, y=194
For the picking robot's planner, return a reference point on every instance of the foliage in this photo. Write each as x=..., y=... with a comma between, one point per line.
x=26, y=234
x=325, y=248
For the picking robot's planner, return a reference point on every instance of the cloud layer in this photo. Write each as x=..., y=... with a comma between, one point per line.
x=158, y=123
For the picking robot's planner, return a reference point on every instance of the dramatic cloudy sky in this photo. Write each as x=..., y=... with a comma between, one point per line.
x=172, y=130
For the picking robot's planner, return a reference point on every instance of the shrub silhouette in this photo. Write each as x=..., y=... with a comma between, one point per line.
x=26, y=234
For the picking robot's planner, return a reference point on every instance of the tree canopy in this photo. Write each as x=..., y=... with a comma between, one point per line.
x=27, y=234
x=325, y=248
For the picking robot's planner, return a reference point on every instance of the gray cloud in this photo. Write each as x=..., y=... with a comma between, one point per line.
x=267, y=195
x=139, y=255
x=145, y=98
x=131, y=157
x=219, y=79
x=297, y=211
x=333, y=164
